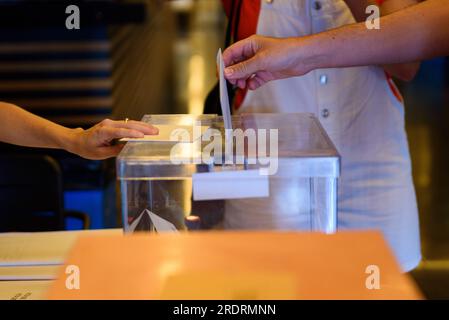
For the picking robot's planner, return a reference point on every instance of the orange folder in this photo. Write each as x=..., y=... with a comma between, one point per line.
x=234, y=265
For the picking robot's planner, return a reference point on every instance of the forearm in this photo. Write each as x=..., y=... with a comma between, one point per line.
x=23, y=128
x=417, y=32
x=404, y=71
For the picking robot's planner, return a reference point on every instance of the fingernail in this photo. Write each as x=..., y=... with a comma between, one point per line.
x=229, y=71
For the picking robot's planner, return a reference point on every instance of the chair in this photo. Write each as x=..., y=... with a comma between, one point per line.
x=31, y=195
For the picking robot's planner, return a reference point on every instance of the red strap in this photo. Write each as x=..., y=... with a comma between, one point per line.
x=227, y=7
x=249, y=16
x=393, y=87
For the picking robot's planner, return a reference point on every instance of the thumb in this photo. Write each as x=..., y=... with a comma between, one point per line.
x=242, y=70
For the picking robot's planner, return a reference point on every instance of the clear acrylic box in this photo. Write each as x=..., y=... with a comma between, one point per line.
x=159, y=194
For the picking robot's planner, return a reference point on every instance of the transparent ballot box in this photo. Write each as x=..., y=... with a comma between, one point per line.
x=271, y=172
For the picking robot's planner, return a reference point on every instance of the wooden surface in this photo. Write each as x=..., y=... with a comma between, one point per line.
x=234, y=265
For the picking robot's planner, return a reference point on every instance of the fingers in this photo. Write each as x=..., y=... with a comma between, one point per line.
x=107, y=134
x=254, y=83
x=259, y=79
x=143, y=127
x=241, y=83
x=242, y=70
x=95, y=143
x=239, y=51
x=240, y=59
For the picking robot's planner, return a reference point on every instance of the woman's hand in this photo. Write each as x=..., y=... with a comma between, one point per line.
x=256, y=60
x=96, y=142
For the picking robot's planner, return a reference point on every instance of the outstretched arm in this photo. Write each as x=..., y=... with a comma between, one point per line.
x=20, y=127
x=417, y=32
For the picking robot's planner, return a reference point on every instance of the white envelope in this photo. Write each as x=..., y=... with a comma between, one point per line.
x=28, y=273
x=224, y=97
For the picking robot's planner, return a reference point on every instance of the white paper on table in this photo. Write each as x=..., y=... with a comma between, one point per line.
x=160, y=224
x=224, y=97
x=41, y=248
x=35, y=249
x=24, y=290
x=230, y=185
x=28, y=273
x=172, y=133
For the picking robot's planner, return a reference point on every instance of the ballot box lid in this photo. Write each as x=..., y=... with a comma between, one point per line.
x=188, y=144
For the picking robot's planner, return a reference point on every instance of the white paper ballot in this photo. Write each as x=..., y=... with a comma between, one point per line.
x=48, y=248
x=41, y=248
x=224, y=97
x=28, y=273
x=160, y=224
x=172, y=133
x=24, y=290
x=230, y=185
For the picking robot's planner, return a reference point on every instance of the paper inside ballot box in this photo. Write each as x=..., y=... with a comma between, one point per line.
x=235, y=265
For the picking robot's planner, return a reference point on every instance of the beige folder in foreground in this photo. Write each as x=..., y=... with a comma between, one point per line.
x=234, y=265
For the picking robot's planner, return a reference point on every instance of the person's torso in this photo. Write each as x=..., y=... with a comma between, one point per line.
x=361, y=110
x=347, y=101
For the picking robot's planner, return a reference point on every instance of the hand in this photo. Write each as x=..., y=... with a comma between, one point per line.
x=96, y=142
x=256, y=60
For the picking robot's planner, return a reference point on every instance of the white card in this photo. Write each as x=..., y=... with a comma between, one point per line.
x=230, y=185
x=25, y=273
x=41, y=248
x=24, y=290
x=224, y=97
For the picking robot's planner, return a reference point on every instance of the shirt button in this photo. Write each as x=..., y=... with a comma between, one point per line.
x=325, y=113
x=323, y=79
x=317, y=5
